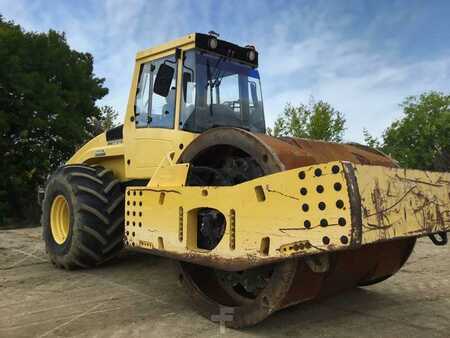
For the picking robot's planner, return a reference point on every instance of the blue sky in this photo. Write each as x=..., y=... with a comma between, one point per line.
x=363, y=57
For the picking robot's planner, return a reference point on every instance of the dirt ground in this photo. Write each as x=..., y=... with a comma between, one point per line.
x=137, y=295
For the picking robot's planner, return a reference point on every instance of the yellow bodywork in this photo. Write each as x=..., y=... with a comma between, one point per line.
x=268, y=218
x=402, y=202
x=328, y=219
x=139, y=153
x=304, y=211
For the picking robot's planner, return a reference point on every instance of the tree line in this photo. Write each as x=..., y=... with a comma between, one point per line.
x=48, y=95
x=419, y=139
x=47, y=110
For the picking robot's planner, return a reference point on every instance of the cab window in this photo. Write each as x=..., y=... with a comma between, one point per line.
x=155, y=97
x=219, y=92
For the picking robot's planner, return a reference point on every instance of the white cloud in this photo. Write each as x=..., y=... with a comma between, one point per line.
x=366, y=85
x=304, y=50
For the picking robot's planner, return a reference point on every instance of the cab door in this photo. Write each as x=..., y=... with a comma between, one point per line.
x=152, y=135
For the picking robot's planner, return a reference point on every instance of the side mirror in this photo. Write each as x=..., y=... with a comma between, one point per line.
x=163, y=80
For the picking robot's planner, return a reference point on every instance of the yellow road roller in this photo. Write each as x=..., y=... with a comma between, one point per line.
x=255, y=223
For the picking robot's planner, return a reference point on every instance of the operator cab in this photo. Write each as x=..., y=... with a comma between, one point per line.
x=220, y=87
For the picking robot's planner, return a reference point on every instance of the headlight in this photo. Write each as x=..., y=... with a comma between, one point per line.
x=251, y=55
x=212, y=43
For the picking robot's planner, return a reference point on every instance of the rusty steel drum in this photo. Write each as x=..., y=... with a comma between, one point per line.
x=292, y=281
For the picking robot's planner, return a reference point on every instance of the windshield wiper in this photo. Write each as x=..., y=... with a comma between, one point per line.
x=219, y=75
x=209, y=83
x=213, y=83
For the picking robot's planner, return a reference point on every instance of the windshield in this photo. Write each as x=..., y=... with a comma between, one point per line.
x=218, y=92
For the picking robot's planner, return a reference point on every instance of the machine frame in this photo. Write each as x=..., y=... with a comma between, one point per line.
x=151, y=154
x=257, y=223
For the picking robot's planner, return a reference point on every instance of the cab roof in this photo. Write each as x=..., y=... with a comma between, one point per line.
x=202, y=41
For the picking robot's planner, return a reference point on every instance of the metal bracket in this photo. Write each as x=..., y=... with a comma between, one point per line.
x=318, y=263
x=435, y=238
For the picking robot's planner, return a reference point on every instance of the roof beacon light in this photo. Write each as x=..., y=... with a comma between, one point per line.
x=215, y=34
x=251, y=54
x=212, y=43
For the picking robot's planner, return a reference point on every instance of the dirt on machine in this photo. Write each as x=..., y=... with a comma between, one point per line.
x=256, y=223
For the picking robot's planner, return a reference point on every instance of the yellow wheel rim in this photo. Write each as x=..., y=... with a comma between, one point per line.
x=60, y=219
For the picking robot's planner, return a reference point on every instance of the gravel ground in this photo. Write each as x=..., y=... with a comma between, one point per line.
x=137, y=295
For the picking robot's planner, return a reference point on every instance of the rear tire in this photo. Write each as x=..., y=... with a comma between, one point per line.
x=95, y=221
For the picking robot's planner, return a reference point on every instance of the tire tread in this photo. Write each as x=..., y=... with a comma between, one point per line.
x=98, y=224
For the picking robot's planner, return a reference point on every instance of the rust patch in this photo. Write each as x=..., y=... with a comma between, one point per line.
x=280, y=193
x=284, y=230
x=418, y=181
x=355, y=205
x=162, y=190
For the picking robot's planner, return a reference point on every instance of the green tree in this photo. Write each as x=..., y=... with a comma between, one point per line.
x=109, y=117
x=317, y=120
x=421, y=138
x=107, y=120
x=47, y=105
x=371, y=141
